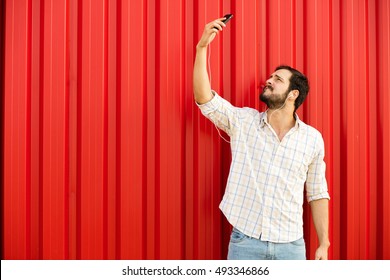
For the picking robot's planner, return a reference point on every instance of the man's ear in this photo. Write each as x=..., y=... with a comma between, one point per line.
x=293, y=94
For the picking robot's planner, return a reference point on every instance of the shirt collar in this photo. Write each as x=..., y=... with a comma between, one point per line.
x=263, y=120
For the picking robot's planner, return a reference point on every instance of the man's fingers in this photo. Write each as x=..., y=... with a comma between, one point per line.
x=220, y=22
x=217, y=24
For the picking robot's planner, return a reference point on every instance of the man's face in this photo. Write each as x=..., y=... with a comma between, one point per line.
x=276, y=91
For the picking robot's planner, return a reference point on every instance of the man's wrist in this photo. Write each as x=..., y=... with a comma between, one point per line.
x=325, y=243
x=200, y=48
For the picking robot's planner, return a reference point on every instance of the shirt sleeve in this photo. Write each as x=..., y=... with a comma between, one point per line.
x=222, y=113
x=316, y=185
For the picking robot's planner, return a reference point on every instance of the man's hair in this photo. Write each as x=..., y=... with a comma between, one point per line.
x=299, y=82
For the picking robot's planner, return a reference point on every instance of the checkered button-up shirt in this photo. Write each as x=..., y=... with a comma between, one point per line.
x=264, y=192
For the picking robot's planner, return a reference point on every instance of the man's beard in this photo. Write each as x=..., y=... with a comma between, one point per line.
x=272, y=101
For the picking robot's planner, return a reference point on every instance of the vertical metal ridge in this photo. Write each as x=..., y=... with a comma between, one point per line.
x=41, y=102
x=383, y=117
x=367, y=135
x=372, y=57
x=144, y=127
x=387, y=137
x=152, y=212
x=379, y=149
x=105, y=129
x=267, y=41
x=79, y=127
x=294, y=33
x=157, y=131
x=343, y=152
x=28, y=130
x=6, y=126
x=183, y=129
x=195, y=148
x=118, y=129
x=67, y=137
x=233, y=59
x=118, y=101
x=110, y=103
x=2, y=114
x=336, y=155
x=221, y=12
x=72, y=126
x=305, y=65
x=331, y=182
x=41, y=120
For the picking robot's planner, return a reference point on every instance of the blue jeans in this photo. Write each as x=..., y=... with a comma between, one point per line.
x=243, y=247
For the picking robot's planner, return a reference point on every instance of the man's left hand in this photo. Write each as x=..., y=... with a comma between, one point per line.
x=321, y=253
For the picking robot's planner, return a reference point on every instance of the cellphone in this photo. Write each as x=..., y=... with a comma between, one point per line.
x=226, y=20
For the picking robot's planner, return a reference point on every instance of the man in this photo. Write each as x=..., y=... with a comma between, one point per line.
x=273, y=155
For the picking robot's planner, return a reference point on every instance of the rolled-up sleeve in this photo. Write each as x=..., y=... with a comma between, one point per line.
x=222, y=113
x=316, y=185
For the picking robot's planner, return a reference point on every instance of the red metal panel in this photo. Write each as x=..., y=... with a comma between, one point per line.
x=55, y=154
x=16, y=154
x=93, y=138
x=74, y=130
x=151, y=157
x=132, y=129
x=106, y=156
x=36, y=131
x=383, y=126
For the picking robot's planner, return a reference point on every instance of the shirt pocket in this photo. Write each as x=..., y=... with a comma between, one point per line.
x=296, y=163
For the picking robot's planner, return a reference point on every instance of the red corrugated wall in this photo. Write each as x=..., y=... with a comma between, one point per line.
x=106, y=156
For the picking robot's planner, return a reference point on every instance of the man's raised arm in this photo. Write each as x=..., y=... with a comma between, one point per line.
x=201, y=82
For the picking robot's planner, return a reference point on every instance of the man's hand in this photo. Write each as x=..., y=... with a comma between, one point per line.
x=201, y=82
x=210, y=32
x=321, y=253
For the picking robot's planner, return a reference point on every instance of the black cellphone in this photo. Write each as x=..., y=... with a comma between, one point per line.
x=226, y=20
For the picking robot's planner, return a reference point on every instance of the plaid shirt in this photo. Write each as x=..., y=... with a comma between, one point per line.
x=264, y=192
